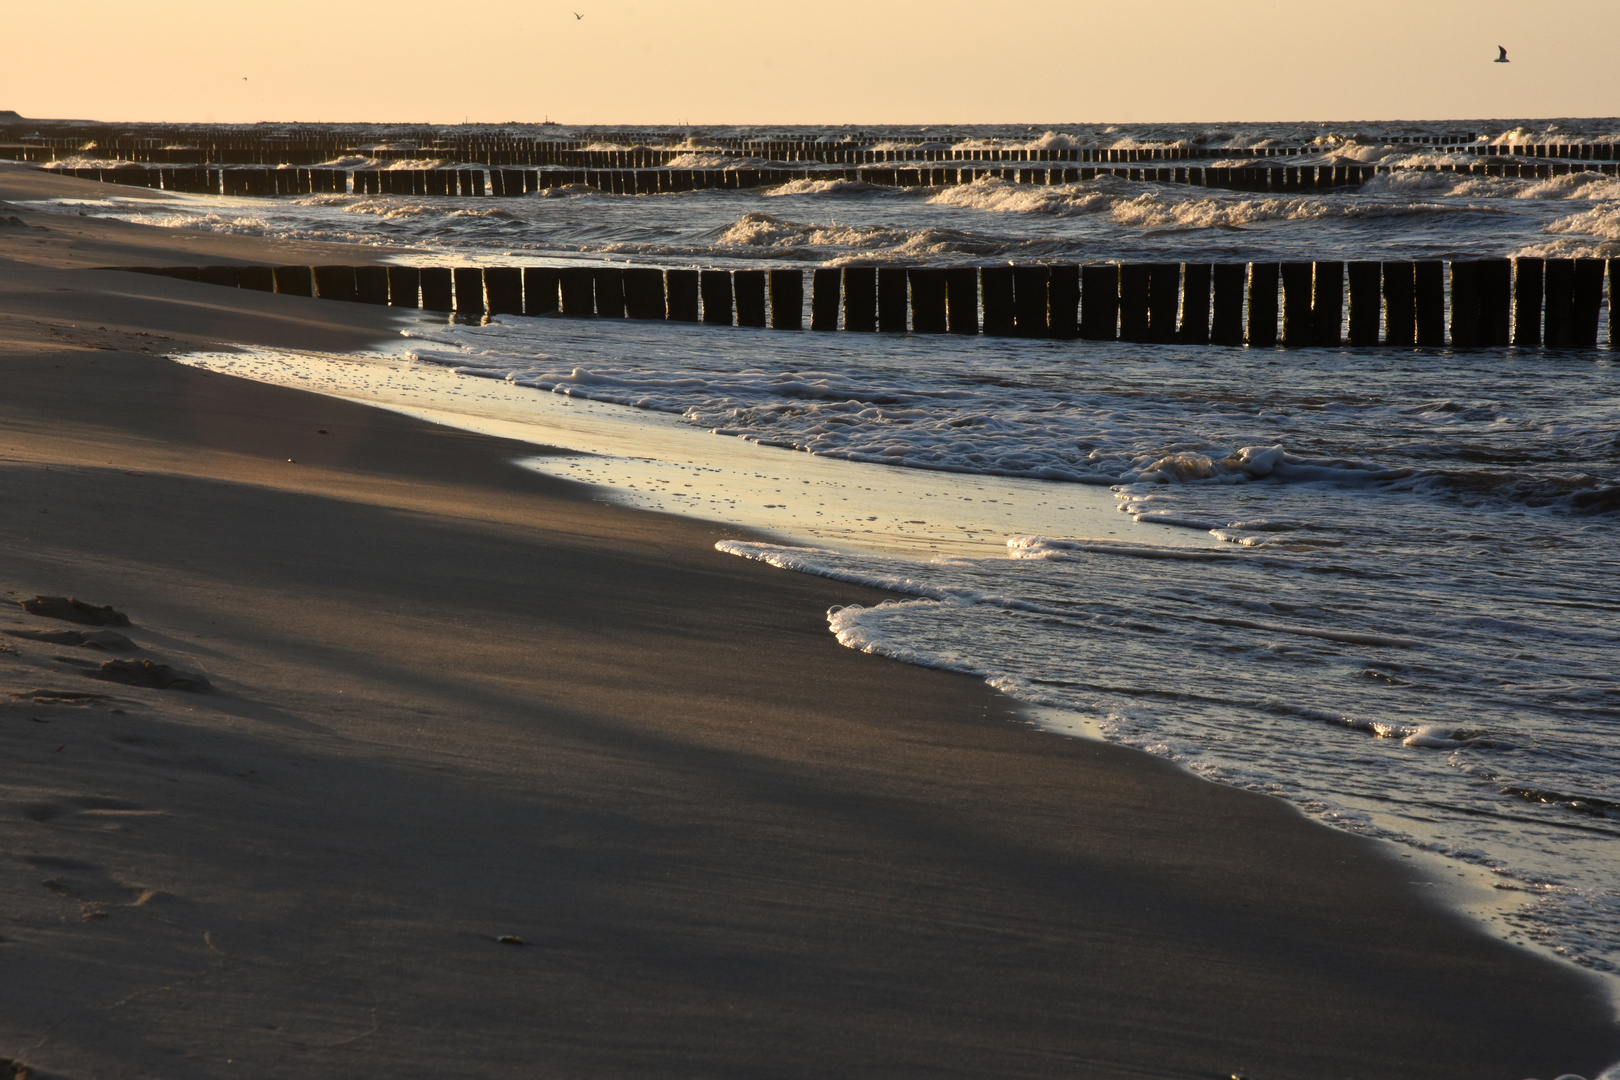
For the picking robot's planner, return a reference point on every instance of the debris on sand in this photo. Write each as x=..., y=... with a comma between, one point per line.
x=156, y=676
x=45, y=696
x=71, y=610
x=109, y=640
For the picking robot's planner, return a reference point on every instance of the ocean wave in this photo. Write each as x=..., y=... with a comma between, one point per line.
x=1126, y=204
x=392, y=209
x=1069, y=200
x=697, y=160
x=1589, y=234
x=1583, y=185
x=821, y=187
x=764, y=230
x=1048, y=140
x=1600, y=221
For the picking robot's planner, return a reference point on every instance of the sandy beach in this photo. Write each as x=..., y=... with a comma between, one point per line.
x=456, y=700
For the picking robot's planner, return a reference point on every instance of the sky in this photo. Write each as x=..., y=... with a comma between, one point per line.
x=658, y=62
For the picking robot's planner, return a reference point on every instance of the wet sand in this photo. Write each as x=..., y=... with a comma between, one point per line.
x=457, y=700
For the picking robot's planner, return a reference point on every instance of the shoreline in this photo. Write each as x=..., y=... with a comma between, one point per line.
x=727, y=834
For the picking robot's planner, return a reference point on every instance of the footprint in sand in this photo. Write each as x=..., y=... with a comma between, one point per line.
x=94, y=811
x=97, y=891
x=71, y=610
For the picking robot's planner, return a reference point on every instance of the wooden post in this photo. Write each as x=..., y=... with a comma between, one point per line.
x=928, y=315
x=1226, y=321
x=962, y=300
x=1527, y=275
x=644, y=293
x=1465, y=327
x=1099, y=302
x=1558, y=307
x=824, y=298
x=229, y=277
x=1063, y=300
x=1195, y=279
x=787, y=299
x=540, y=290
x=860, y=299
x=404, y=286
x=1587, y=303
x=294, y=281
x=1366, y=282
x=259, y=278
x=996, y=289
x=715, y=285
x=1430, y=287
x=578, y=292
x=1030, y=284
x=469, y=290
x=371, y=284
x=891, y=294
x=1400, y=304
x=1614, y=301
x=608, y=284
x=1164, y=299
x=504, y=287
x=681, y=288
x=1296, y=315
x=334, y=282
x=1327, y=304
x=1135, y=287
x=1263, y=303
x=437, y=289
x=1495, y=302
x=750, y=286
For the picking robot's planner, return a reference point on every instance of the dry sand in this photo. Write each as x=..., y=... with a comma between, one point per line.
x=457, y=700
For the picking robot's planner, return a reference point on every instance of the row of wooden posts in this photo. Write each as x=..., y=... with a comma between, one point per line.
x=577, y=155
x=652, y=157
x=1493, y=302
x=644, y=150
x=639, y=150
x=580, y=154
x=478, y=182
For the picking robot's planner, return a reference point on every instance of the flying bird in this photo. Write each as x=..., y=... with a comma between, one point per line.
x=1501, y=56
x=577, y=15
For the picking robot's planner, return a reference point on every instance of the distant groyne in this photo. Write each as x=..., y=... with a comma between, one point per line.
x=189, y=160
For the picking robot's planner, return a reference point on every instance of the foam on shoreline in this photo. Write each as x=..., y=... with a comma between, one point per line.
x=654, y=461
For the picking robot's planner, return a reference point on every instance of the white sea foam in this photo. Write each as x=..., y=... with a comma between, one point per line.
x=1593, y=233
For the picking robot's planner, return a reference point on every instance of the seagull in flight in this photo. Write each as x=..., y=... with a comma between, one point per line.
x=577, y=15
x=1501, y=56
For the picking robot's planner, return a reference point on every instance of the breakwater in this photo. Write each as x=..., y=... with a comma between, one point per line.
x=510, y=182
x=1484, y=303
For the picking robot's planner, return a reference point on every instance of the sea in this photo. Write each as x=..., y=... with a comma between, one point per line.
x=1379, y=584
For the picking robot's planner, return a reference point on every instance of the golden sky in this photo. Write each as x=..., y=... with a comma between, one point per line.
x=811, y=61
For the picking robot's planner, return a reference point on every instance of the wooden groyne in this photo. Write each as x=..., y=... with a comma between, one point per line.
x=203, y=145
x=509, y=182
x=189, y=145
x=1485, y=303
